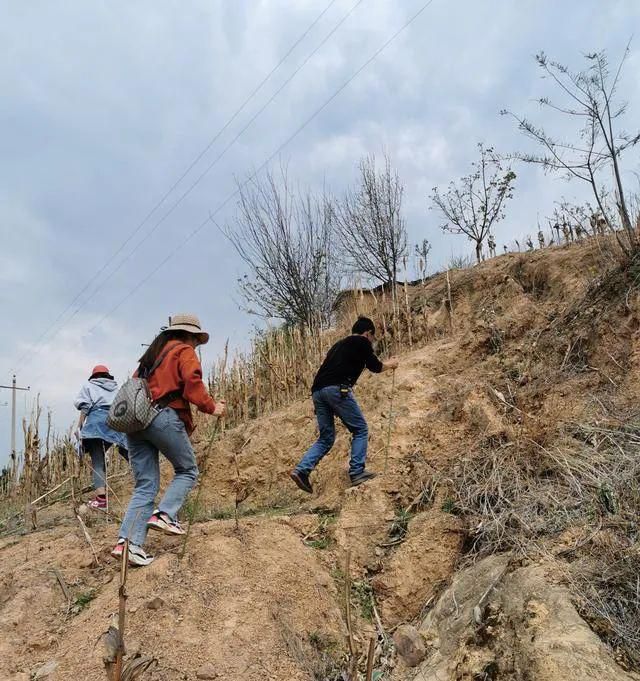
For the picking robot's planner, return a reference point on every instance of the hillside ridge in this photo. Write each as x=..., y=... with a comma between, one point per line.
x=499, y=482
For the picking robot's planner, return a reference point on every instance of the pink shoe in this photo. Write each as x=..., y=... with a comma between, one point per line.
x=162, y=522
x=98, y=503
x=118, y=549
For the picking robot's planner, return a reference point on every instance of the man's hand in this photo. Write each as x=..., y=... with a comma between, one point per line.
x=391, y=363
x=221, y=408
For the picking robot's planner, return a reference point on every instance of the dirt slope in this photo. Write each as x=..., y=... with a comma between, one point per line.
x=534, y=346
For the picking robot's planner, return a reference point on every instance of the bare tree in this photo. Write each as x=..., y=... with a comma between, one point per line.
x=370, y=226
x=286, y=242
x=476, y=202
x=422, y=251
x=588, y=96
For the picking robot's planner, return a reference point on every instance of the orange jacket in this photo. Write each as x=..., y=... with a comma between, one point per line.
x=181, y=370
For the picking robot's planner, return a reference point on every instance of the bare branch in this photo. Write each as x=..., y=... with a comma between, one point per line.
x=370, y=226
x=475, y=204
x=286, y=241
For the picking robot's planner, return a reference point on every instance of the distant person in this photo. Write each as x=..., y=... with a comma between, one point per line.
x=95, y=436
x=332, y=394
x=175, y=384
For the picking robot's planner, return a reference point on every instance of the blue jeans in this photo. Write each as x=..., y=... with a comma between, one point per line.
x=328, y=403
x=97, y=451
x=166, y=433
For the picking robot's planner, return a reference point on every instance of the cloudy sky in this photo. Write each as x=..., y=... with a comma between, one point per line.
x=105, y=105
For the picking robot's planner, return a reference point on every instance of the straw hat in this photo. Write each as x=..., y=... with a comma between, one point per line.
x=190, y=323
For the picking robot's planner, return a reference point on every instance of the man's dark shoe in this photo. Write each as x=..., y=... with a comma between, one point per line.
x=361, y=477
x=302, y=480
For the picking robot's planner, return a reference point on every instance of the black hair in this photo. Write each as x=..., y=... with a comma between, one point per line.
x=362, y=325
x=101, y=374
x=157, y=345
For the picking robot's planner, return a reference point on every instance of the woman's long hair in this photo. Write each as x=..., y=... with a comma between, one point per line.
x=156, y=347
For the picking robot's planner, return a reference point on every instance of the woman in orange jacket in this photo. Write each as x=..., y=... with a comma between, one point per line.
x=175, y=384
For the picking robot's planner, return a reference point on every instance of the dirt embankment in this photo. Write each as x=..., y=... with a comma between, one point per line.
x=498, y=404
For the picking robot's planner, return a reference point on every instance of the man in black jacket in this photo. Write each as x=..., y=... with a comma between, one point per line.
x=332, y=396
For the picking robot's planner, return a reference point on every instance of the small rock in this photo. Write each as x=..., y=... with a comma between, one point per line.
x=46, y=671
x=207, y=671
x=85, y=562
x=410, y=645
x=155, y=603
x=41, y=643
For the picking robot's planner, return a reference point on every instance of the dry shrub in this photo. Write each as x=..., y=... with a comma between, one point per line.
x=520, y=496
x=607, y=589
x=318, y=655
x=522, y=491
x=532, y=276
x=45, y=464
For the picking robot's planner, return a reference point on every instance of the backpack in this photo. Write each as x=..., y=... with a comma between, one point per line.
x=133, y=409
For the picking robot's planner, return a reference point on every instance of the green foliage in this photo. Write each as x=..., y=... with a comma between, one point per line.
x=400, y=524
x=363, y=595
x=321, y=537
x=82, y=600
x=449, y=506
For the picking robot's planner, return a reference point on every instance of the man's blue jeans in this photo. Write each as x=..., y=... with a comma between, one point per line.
x=329, y=403
x=166, y=433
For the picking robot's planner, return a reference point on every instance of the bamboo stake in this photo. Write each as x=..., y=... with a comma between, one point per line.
x=372, y=650
x=62, y=583
x=212, y=439
x=393, y=386
x=450, y=302
x=122, y=609
x=347, y=603
x=46, y=494
x=83, y=527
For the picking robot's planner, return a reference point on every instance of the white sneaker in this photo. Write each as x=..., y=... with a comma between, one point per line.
x=162, y=522
x=137, y=556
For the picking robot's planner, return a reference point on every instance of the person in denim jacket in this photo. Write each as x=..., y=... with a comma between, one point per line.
x=94, y=435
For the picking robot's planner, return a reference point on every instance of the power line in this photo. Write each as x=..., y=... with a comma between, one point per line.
x=209, y=218
x=202, y=175
x=173, y=186
x=261, y=167
x=208, y=169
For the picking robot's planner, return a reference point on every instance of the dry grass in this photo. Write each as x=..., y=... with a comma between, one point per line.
x=318, y=655
x=281, y=363
x=45, y=471
x=522, y=496
x=278, y=369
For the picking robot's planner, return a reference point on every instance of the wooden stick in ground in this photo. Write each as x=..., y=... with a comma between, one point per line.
x=122, y=609
x=347, y=607
x=83, y=527
x=450, y=301
x=62, y=583
x=393, y=388
x=372, y=650
x=46, y=494
x=214, y=435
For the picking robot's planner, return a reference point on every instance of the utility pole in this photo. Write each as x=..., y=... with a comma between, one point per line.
x=13, y=387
